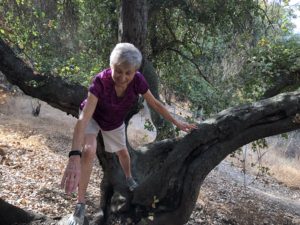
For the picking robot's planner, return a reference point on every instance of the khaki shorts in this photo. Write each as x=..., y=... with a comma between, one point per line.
x=114, y=140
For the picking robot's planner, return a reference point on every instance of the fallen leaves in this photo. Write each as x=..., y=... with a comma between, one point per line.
x=31, y=166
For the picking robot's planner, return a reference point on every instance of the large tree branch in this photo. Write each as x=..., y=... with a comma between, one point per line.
x=54, y=90
x=193, y=157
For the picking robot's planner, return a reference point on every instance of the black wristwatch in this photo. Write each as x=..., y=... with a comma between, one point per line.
x=75, y=152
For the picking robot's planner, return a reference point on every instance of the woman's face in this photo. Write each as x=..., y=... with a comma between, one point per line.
x=122, y=75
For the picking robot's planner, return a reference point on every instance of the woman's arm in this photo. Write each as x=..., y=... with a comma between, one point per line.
x=84, y=118
x=71, y=176
x=161, y=109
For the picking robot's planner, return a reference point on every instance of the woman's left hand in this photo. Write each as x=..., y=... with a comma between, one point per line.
x=185, y=126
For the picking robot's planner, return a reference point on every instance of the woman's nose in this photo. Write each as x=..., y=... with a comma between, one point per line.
x=122, y=77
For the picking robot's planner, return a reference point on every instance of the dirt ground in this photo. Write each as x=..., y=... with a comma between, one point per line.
x=33, y=154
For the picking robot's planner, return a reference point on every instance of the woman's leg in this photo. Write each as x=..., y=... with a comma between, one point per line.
x=88, y=156
x=124, y=160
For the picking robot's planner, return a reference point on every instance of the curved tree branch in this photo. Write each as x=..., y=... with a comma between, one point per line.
x=190, y=159
x=54, y=90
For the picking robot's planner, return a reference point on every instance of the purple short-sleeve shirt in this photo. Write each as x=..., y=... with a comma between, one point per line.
x=111, y=110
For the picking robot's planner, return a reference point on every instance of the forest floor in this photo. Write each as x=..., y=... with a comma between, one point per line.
x=33, y=154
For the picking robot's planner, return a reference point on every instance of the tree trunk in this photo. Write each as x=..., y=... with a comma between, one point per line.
x=170, y=172
x=133, y=29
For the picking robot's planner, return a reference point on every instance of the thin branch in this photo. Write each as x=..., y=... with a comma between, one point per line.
x=194, y=63
x=168, y=26
x=266, y=15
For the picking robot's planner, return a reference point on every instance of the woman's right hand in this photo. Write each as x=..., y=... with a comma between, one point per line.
x=71, y=176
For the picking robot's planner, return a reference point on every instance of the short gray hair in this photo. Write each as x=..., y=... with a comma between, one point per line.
x=126, y=53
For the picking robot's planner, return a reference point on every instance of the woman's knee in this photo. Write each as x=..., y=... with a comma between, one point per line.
x=89, y=151
x=123, y=153
x=90, y=146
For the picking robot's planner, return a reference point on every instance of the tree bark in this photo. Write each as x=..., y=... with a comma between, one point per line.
x=170, y=171
x=10, y=214
x=133, y=29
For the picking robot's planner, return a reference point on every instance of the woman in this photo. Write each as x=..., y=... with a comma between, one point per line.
x=111, y=95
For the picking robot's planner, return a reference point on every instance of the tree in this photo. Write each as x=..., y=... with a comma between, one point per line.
x=186, y=40
x=170, y=172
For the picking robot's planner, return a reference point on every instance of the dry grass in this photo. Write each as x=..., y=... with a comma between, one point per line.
x=284, y=170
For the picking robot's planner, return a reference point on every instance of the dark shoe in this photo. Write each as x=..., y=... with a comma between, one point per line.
x=131, y=183
x=78, y=217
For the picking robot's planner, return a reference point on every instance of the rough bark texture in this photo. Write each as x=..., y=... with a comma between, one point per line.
x=133, y=23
